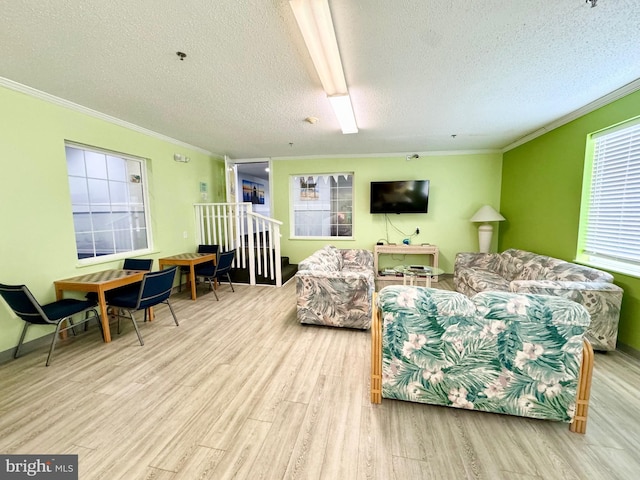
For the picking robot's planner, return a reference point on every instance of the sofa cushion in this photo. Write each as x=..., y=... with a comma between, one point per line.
x=328, y=258
x=508, y=265
x=356, y=259
x=332, y=257
x=481, y=280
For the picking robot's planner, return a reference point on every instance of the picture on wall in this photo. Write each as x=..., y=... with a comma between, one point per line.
x=252, y=192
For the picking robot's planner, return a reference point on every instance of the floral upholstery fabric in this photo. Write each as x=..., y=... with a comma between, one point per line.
x=336, y=292
x=501, y=352
x=526, y=272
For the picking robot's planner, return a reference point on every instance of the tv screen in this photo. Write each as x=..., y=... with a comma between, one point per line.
x=409, y=196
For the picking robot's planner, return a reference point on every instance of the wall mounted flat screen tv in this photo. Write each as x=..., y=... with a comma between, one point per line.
x=409, y=196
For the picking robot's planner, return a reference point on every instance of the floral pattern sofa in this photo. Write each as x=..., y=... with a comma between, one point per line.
x=500, y=352
x=335, y=287
x=526, y=272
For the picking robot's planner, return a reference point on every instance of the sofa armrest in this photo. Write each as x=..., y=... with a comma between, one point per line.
x=548, y=287
x=341, y=299
x=601, y=299
x=341, y=275
x=472, y=259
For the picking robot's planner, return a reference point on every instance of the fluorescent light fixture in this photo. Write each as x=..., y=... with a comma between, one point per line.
x=316, y=26
x=342, y=108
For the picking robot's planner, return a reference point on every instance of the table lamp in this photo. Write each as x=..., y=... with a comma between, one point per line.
x=485, y=215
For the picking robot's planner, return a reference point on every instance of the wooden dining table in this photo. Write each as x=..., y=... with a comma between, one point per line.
x=99, y=282
x=188, y=260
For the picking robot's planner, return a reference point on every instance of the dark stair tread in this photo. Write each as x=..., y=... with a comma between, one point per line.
x=242, y=275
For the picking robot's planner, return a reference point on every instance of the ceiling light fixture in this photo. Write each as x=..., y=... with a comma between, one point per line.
x=314, y=20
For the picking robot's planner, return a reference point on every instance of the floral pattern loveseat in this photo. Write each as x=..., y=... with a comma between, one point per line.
x=500, y=352
x=526, y=272
x=335, y=287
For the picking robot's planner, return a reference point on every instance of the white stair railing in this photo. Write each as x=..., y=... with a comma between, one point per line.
x=255, y=238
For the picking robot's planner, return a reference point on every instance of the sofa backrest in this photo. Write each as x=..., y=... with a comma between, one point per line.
x=357, y=259
x=327, y=258
x=498, y=351
x=532, y=266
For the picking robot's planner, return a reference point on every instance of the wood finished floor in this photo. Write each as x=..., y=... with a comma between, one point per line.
x=241, y=390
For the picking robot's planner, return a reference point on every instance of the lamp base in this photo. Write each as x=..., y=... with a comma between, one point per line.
x=485, y=232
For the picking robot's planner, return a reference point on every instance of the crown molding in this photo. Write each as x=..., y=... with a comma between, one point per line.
x=400, y=155
x=61, y=102
x=580, y=112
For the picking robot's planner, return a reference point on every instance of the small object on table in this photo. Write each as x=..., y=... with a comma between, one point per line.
x=412, y=272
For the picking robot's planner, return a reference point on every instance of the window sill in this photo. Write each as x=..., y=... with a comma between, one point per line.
x=333, y=239
x=89, y=262
x=610, y=266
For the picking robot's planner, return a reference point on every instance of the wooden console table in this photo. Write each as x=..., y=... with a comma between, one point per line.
x=429, y=250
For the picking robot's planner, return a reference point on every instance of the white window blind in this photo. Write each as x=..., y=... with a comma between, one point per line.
x=612, y=229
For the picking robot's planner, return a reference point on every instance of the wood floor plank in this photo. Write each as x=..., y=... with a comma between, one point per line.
x=273, y=458
x=238, y=460
x=242, y=390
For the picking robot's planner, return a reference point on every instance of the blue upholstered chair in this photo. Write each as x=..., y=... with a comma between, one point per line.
x=154, y=289
x=25, y=306
x=210, y=272
x=138, y=264
x=202, y=248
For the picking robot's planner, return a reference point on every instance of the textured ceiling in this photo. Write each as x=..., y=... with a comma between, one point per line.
x=419, y=71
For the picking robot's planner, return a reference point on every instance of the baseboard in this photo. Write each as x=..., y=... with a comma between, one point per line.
x=628, y=350
x=27, y=347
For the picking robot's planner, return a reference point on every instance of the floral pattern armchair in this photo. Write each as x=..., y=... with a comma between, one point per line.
x=526, y=272
x=335, y=287
x=500, y=352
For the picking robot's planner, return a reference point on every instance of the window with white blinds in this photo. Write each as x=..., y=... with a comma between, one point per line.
x=610, y=223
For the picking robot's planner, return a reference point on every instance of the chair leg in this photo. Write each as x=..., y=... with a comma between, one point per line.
x=229, y=278
x=175, y=319
x=73, y=326
x=53, y=342
x=213, y=288
x=99, y=326
x=118, y=313
x=135, y=325
x=24, y=333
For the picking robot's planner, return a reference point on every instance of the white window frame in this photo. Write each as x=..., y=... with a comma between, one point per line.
x=609, y=235
x=145, y=198
x=294, y=192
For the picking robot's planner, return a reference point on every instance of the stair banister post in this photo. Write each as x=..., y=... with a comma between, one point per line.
x=251, y=246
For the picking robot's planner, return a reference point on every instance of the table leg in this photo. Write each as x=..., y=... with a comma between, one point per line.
x=59, y=295
x=104, y=318
x=427, y=281
x=192, y=278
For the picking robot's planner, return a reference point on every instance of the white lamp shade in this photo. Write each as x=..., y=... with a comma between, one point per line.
x=487, y=214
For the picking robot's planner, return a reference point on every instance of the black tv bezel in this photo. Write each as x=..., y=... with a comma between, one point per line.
x=396, y=210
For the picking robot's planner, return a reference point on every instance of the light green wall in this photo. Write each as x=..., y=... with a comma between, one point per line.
x=37, y=242
x=459, y=185
x=541, y=192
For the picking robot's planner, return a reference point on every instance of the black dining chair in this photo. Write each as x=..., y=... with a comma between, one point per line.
x=202, y=248
x=138, y=264
x=210, y=272
x=145, y=264
x=154, y=289
x=25, y=306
